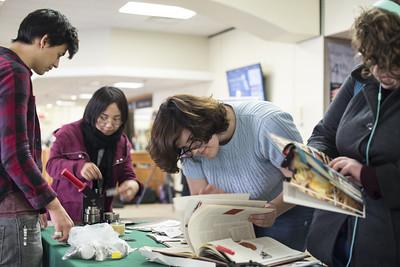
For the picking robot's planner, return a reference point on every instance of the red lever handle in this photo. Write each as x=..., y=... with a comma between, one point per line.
x=74, y=180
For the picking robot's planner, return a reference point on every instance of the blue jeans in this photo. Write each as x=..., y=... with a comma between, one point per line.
x=20, y=241
x=291, y=228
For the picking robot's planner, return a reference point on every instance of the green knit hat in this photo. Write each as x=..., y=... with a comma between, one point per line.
x=388, y=5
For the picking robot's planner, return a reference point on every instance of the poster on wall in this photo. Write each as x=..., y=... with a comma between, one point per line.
x=342, y=60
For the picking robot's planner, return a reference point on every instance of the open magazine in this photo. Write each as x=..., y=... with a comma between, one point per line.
x=315, y=184
x=218, y=230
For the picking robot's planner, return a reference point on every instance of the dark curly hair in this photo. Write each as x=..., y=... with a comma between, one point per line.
x=376, y=35
x=202, y=116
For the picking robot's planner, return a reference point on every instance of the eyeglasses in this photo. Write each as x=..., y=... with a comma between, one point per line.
x=103, y=120
x=187, y=151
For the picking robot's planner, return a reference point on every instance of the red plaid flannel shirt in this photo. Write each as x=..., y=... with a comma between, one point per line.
x=20, y=142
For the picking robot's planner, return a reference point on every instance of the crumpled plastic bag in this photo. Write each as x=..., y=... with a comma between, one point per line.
x=96, y=241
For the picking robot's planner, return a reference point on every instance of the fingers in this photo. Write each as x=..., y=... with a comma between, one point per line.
x=57, y=235
x=128, y=189
x=61, y=220
x=211, y=189
x=61, y=232
x=335, y=160
x=347, y=167
x=91, y=172
x=125, y=194
x=264, y=219
x=286, y=172
x=342, y=165
x=204, y=190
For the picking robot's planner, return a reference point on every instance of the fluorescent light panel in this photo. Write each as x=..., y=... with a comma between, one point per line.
x=156, y=10
x=129, y=85
x=65, y=103
x=85, y=96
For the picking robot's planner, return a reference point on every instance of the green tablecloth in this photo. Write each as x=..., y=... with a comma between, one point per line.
x=53, y=252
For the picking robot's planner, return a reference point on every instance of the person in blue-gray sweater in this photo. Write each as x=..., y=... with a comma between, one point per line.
x=226, y=149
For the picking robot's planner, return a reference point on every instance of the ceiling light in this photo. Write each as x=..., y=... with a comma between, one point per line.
x=85, y=96
x=65, y=103
x=157, y=10
x=129, y=85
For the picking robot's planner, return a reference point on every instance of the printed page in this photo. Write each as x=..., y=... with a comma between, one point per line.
x=180, y=203
x=192, y=203
x=312, y=176
x=295, y=195
x=334, y=177
x=326, y=184
x=214, y=222
x=263, y=250
x=171, y=259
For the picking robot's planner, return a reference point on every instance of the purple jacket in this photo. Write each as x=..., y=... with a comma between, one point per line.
x=69, y=151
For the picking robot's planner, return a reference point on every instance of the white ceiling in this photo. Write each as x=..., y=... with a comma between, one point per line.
x=91, y=14
x=99, y=14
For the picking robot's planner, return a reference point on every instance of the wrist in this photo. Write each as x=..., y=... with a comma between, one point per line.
x=53, y=205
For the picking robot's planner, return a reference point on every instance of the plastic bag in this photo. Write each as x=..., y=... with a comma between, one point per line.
x=96, y=241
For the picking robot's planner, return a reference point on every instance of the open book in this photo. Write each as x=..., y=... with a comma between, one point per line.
x=315, y=184
x=218, y=230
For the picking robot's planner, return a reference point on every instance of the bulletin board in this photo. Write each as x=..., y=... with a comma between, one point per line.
x=342, y=60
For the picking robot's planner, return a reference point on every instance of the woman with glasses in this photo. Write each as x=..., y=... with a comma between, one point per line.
x=96, y=151
x=226, y=149
x=361, y=132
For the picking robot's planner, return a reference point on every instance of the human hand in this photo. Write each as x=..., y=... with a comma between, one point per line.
x=128, y=190
x=347, y=167
x=61, y=220
x=91, y=172
x=211, y=189
x=286, y=172
x=43, y=220
x=264, y=219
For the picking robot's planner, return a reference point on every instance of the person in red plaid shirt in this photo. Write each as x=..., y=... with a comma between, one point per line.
x=43, y=38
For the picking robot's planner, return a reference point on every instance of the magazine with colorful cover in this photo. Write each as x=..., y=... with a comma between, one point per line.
x=315, y=184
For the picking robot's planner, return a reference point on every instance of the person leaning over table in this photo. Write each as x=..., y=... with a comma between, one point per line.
x=226, y=149
x=44, y=36
x=362, y=133
x=95, y=150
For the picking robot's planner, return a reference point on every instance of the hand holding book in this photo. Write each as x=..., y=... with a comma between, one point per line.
x=265, y=219
x=348, y=167
x=315, y=183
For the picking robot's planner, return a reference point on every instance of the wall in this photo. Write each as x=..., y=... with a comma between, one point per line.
x=339, y=14
x=122, y=52
x=294, y=72
x=158, y=50
x=201, y=89
x=54, y=118
x=309, y=89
